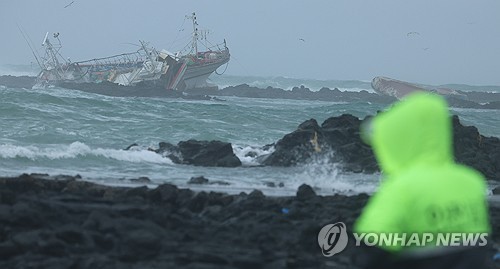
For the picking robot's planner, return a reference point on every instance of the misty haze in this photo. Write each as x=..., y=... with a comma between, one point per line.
x=246, y=134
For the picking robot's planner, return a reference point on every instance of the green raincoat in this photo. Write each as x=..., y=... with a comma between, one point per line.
x=424, y=190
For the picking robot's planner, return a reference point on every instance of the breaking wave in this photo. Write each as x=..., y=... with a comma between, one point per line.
x=287, y=83
x=327, y=178
x=249, y=155
x=80, y=150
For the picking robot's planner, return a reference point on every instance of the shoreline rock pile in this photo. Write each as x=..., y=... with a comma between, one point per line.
x=63, y=222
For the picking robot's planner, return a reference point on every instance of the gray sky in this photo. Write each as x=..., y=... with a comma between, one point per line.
x=456, y=41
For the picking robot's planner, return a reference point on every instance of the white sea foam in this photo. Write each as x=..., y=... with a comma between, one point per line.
x=248, y=155
x=77, y=150
x=356, y=90
x=6, y=71
x=327, y=178
x=288, y=84
x=65, y=93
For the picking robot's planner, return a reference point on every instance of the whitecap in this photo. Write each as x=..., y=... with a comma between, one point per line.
x=77, y=150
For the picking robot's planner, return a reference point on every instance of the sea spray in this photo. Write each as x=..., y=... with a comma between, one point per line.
x=80, y=150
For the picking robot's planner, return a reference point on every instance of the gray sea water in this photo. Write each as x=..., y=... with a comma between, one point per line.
x=61, y=131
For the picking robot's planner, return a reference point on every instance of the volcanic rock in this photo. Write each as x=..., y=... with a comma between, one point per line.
x=168, y=227
x=200, y=153
x=208, y=153
x=475, y=150
x=337, y=140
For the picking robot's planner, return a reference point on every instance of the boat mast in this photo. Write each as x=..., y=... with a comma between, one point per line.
x=52, y=53
x=194, y=44
x=149, y=54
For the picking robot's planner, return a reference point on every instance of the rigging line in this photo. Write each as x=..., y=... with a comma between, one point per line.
x=178, y=33
x=232, y=56
x=211, y=45
x=222, y=71
x=182, y=39
x=29, y=45
x=32, y=44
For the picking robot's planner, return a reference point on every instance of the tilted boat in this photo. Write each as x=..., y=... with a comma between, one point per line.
x=197, y=66
x=146, y=65
x=399, y=89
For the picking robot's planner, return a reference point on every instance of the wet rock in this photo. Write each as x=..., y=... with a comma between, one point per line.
x=131, y=146
x=139, y=244
x=164, y=193
x=170, y=151
x=311, y=124
x=496, y=191
x=251, y=154
x=294, y=148
x=219, y=182
x=199, y=153
x=140, y=180
x=198, y=202
x=201, y=180
x=305, y=192
x=169, y=227
x=208, y=153
x=274, y=185
x=165, y=147
x=303, y=93
x=474, y=99
x=475, y=150
x=337, y=140
x=198, y=180
x=256, y=194
x=85, y=187
x=9, y=250
x=270, y=184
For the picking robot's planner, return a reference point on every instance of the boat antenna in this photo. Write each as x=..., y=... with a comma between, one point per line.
x=52, y=53
x=194, y=44
x=149, y=55
x=29, y=45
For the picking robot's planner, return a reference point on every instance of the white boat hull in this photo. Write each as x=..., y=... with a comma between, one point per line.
x=196, y=76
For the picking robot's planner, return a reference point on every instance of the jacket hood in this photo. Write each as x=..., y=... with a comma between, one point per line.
x=415, y=131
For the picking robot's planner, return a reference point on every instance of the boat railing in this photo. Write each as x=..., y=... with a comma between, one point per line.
x=124, y=58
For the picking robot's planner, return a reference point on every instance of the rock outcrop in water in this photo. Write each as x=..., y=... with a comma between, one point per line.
x=468, y=99
x=476, y=150
x=335, y=142
x=338, y=140
x=200, y=153
x=300, y=93
x=51, y=223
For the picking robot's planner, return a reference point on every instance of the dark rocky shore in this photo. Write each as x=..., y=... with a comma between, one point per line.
x=479, y=100
x=63, y=222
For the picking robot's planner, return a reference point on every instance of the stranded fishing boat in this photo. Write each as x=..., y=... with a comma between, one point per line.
x=399, y=89
x=146, y=65
x=197, y=65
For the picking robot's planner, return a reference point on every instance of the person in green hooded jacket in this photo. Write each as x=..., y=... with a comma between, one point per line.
x=423, y=189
